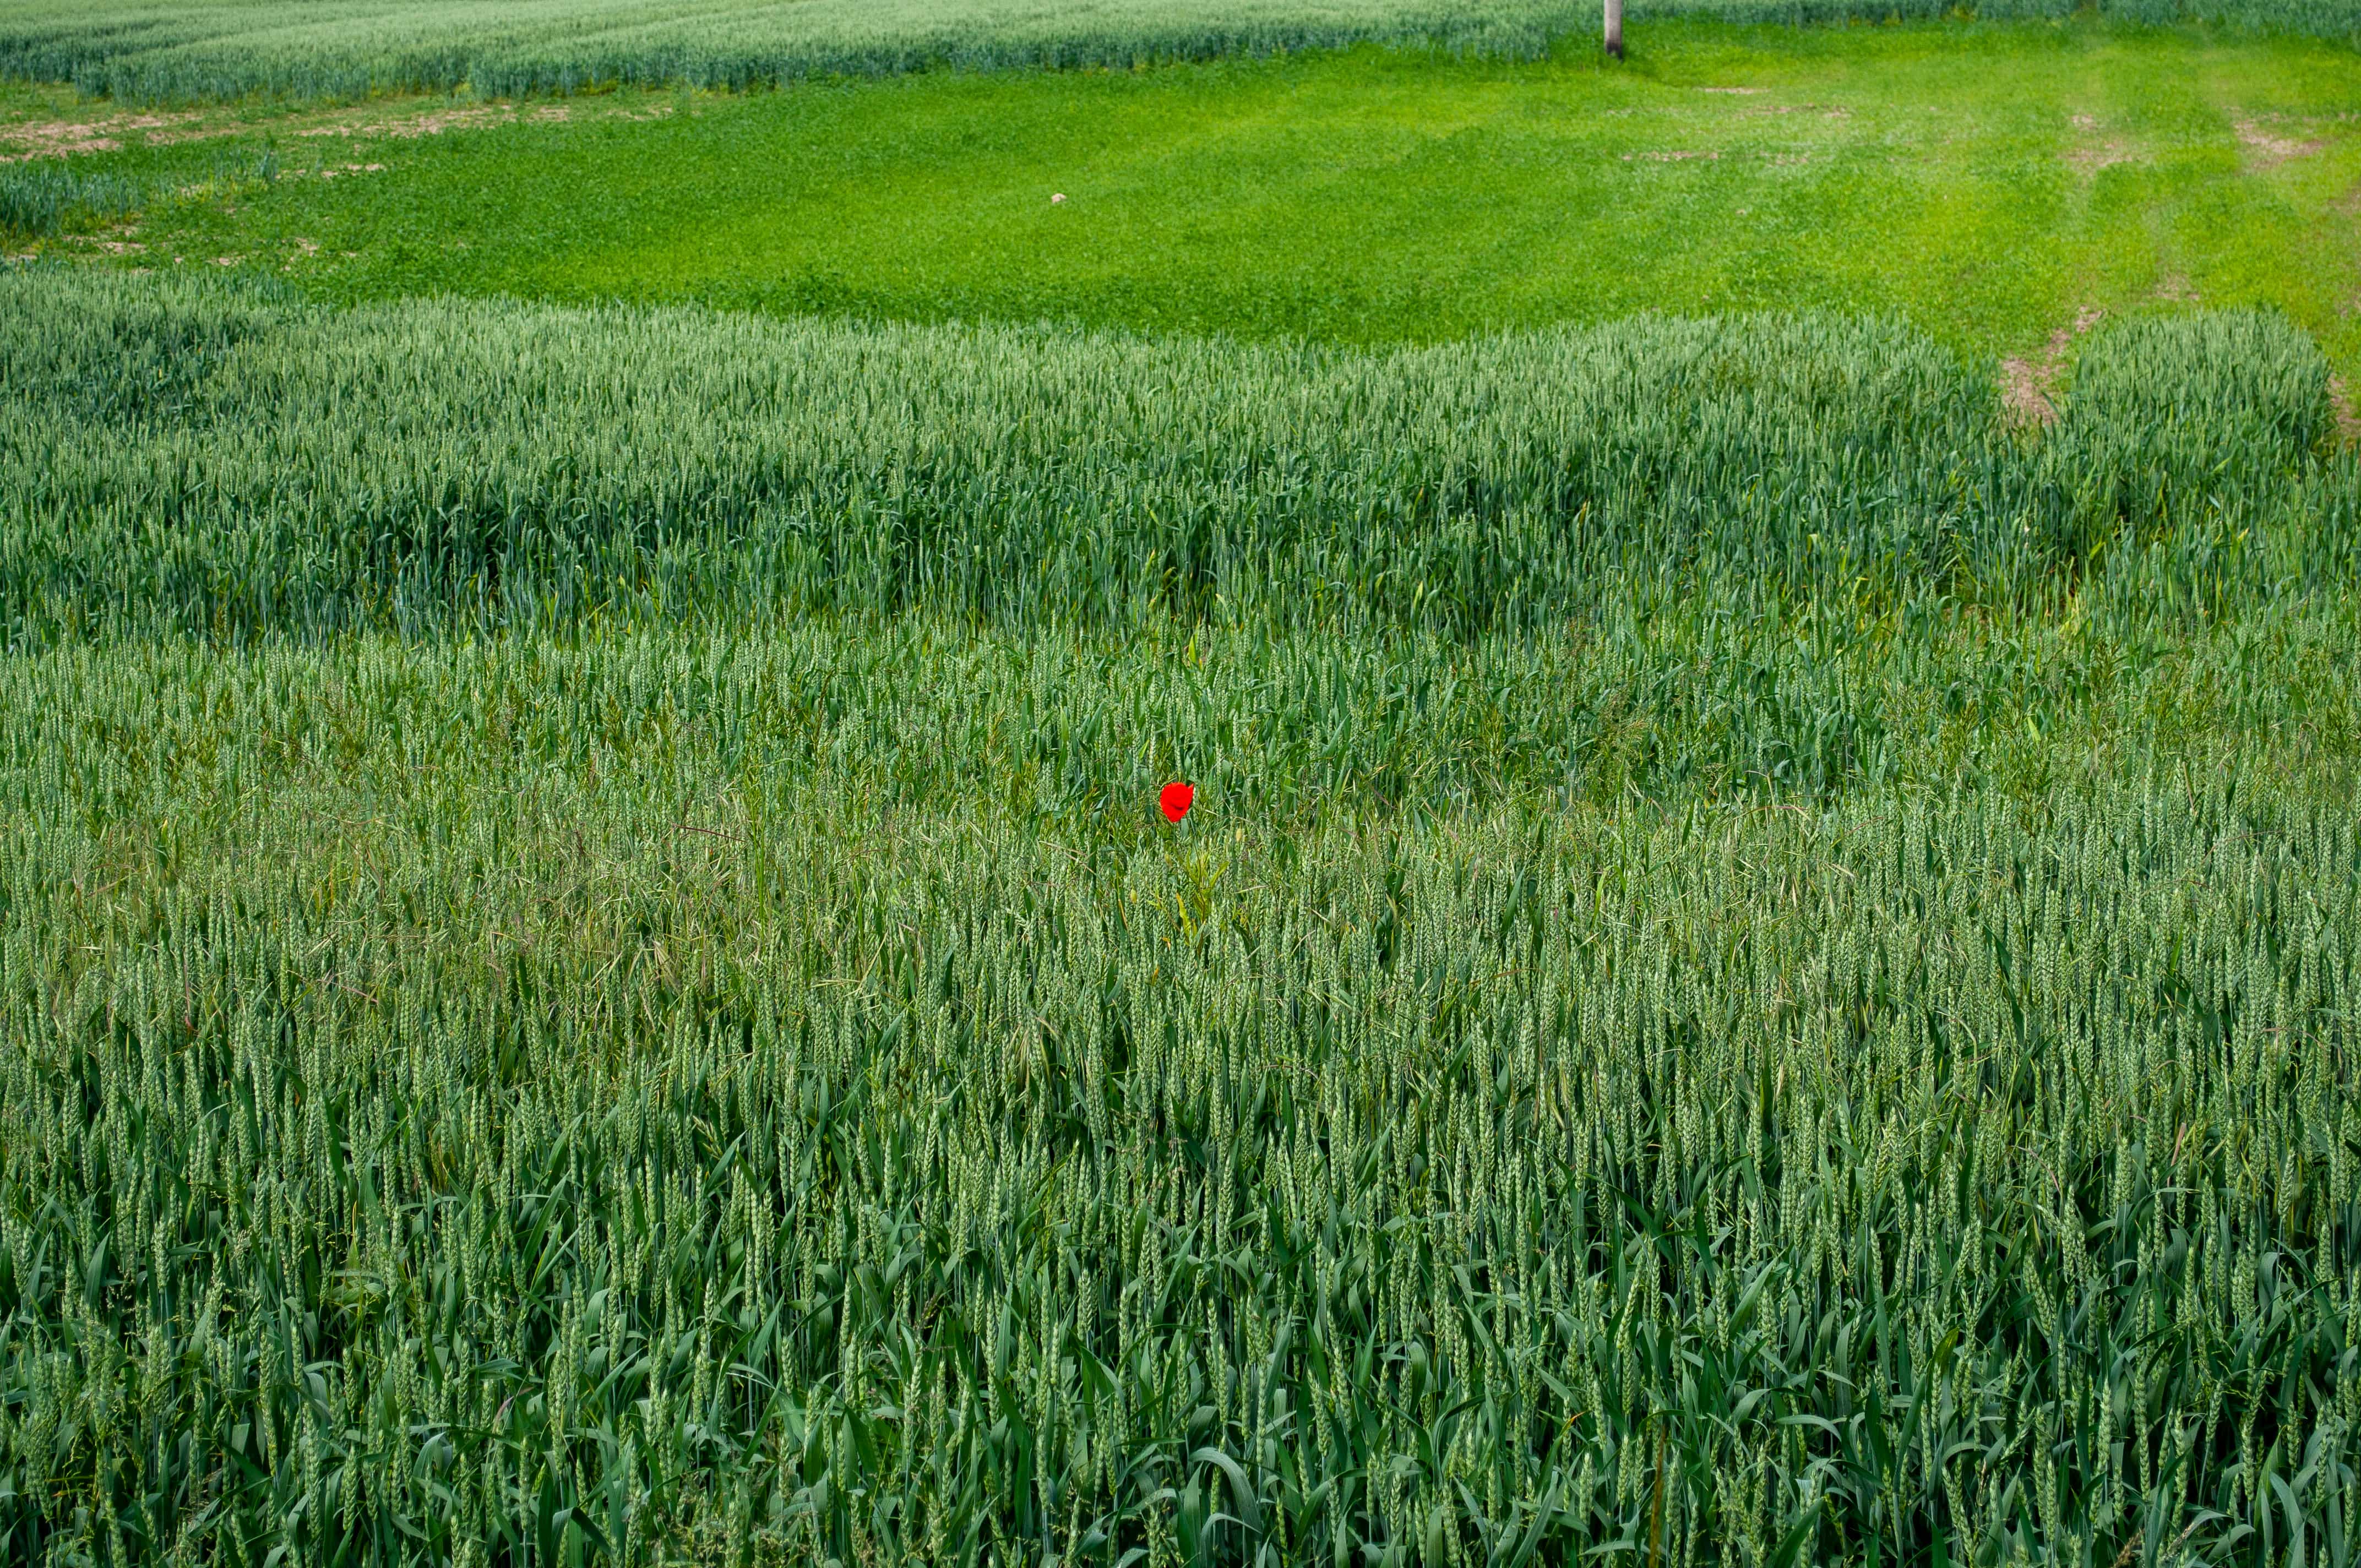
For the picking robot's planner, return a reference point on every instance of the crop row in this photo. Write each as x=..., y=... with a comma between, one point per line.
x=141, y=50
x=212, y=458
x=1678, y=705
x=478, y=1101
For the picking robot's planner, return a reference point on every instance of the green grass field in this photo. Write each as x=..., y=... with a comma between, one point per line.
x=1764, y=970
x=1990, y=184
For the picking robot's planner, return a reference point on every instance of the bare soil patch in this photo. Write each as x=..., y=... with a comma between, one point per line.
x=338, y=173
x=2028, y=388
x=2091, y=160
x=2340, y=403
x=432, y=123
x=2269, y=150
x=109, y=133
x=470, y=116
x=2023, y=394
x=64, y=138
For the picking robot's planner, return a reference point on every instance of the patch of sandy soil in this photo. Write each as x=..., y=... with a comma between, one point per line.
x=307, y=249
x=63, y=147
x=434, y=122
x=2089, y=158
x=2091, y=155
x=1744, y=92
x=470, y=116
x=2270, y=151
x=327, y=173
x=194, y=133
x=2028, y=388
x=1667, y=156
x=2340, y=401
x=2022, y=392
x=64, y=138
x=115, y=239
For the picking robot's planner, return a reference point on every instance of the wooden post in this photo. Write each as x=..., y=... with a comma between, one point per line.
x=1615, y=28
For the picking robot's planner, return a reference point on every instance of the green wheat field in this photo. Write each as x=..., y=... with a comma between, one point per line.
x=594, y=598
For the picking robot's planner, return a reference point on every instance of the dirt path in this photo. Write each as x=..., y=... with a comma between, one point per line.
x=2029, y=387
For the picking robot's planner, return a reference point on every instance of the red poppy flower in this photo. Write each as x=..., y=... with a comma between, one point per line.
x=1174, y=799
